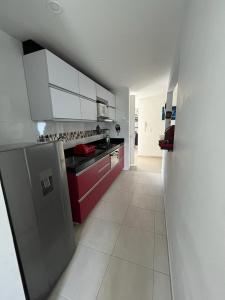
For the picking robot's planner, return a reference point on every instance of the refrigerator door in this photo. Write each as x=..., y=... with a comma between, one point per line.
x=52, y=206
x=35, y=184
x=17, y=186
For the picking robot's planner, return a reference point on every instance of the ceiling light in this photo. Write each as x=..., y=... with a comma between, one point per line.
x=54, y=6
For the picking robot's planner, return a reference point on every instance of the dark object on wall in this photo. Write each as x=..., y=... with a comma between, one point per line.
x=98, y=129
x=136, y=138
x=168, y=114
x=174, y=112
x=167, y=143
x=30, y=46
x=172, y=116
x=117, y=127
x=163, y=113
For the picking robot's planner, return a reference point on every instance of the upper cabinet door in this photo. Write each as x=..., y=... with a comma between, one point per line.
x=104, y=94
x=101, y=92
x=65, y=105
x=112, y=113
x=61, y=74
x=88, y=110
x=111, y=99
x=87, y=87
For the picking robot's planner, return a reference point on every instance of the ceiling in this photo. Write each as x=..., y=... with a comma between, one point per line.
x=128, y=43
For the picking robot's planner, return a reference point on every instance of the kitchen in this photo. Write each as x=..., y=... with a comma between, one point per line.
x=80, y=219
x=93, y=160
x=75, y=221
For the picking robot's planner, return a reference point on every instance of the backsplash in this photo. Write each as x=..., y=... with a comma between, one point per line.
x=70, y=135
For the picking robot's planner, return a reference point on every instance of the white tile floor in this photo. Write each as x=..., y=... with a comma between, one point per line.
x=122, y=247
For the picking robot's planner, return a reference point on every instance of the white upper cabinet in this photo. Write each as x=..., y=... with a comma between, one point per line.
x=60, y=73
x=65, y=105
x=43, y=69
x=112, y=113
x=88, y=109
x=104, y=94
x=87, y=87
x=57, y=91
x=111, y=99
x=101, y=92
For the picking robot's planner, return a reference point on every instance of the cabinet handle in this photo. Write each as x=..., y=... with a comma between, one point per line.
x=103, y=168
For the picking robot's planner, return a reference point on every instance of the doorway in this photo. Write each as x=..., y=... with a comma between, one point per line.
x=146, y=128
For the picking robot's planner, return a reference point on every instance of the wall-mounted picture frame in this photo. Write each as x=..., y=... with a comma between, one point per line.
x=173, y=116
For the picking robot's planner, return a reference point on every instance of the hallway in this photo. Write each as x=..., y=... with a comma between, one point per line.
x=122, y=247
x=148, y=164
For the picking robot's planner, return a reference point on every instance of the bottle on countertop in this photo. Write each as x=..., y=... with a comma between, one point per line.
x=107, y=138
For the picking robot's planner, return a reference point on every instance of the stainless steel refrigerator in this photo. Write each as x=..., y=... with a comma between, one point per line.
x=37, y=200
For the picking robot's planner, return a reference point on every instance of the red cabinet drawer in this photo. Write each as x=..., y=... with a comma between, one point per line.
x=84, y=192
x=88, y=178
x=88, y=203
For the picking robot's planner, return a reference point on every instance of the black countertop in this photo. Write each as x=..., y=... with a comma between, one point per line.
x=77, y=163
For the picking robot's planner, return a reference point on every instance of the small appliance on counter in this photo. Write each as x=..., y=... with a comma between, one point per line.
x=114, y=158
x=107, y=139
x=37, y=199
x=117, y=127
x=84, y=149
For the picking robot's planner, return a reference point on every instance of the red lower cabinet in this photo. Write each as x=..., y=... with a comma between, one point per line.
x=83, y=195
x=90, y=176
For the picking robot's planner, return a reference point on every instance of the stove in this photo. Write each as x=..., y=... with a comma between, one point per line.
x=105, y=146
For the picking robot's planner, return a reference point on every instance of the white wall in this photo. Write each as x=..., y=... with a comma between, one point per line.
x=132, y=128
x=195, y=189
x=15, y=121
x=150, y=125
x=122, y=118
x=10, y=284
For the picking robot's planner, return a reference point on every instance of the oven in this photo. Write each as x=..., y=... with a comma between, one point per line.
x=114, y=157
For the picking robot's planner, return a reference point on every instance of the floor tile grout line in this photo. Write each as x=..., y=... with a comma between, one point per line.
x=139, y=228
x=103, y=277
x=122, y=224
x=149, y=209
x=107, y=221
x=110, y=258
x=129, y=226
x=120, y=230
x=91, y=248
x=134, y=263
x=64, y=297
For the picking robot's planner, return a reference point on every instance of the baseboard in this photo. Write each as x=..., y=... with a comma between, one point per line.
x=169, y=251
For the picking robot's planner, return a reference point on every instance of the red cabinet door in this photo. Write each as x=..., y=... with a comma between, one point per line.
x=87, y=187
x=89, y=177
